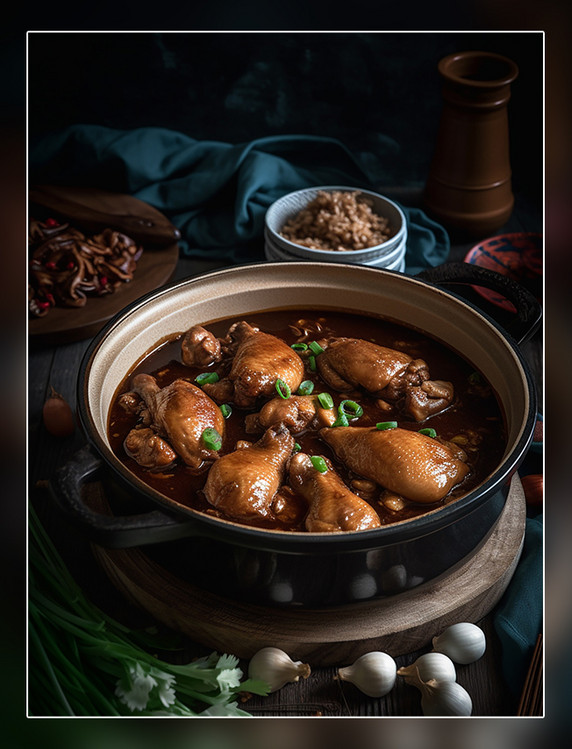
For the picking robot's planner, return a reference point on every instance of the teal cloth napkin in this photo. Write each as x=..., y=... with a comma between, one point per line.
x=518, y=615
x=215, y=193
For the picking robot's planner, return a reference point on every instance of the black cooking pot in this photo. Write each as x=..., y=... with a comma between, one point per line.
x=301, y=569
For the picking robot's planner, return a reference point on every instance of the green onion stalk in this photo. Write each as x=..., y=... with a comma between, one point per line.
x=84, y=663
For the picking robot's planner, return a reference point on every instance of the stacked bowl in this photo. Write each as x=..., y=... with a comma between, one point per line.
x=389, y=255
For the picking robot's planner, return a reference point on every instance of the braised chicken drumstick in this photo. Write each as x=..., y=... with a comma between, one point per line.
x=259, y=361
x=349, y=363
x=332, y=506
x=413, y=465
x=242, y=484
x=180, y=413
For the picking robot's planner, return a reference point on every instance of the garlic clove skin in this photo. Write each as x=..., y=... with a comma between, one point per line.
x=276, y=668
x=463, y=642
x=429, y=666
x=373, y=673
x=445, y=698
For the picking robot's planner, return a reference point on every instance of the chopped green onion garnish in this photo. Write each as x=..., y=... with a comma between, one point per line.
x=212, y=438
x=429, y=432
x=315, y=348
x=306, y=387
x=297, y=447
x=226, y=410
x=312, y=363
x=326, y=400
x=350, y=408
x=341, y=421
x=319, y=463
x=386, y=425
x=206, y=377
x=474, y=378
x=283, y=389
x=299, y=346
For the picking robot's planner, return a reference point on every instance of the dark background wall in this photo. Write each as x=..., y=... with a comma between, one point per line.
x=377, y=92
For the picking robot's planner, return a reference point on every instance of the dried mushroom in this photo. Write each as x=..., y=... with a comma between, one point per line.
x=67, y=266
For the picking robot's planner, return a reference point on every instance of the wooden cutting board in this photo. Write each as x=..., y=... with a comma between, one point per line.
x=397, y=625
x=92, y=210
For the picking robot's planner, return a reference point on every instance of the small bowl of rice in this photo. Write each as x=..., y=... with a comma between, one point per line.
x=339, y=225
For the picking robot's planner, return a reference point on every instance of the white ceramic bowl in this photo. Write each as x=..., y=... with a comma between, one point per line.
x=393, y=261
x=389, y=255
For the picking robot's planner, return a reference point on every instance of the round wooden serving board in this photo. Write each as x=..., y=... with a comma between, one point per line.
x=92, y=210
x=397, y=625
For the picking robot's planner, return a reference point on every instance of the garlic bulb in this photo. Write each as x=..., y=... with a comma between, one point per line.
x=463, y=643
x=429, y=666
x=276, y=668
x=445, y=698
x=373, y=673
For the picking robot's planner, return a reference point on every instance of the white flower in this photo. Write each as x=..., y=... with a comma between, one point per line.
x=222, y=710
x=134, y=688
x=166, y=691
x=229, y=678
x=143, y=683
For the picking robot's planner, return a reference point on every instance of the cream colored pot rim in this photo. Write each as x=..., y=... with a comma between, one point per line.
x=261, y=274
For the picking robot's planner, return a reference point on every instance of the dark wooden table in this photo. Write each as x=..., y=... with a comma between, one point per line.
x=57, y=366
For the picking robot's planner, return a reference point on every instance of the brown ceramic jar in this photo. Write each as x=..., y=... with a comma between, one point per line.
x=469, y=184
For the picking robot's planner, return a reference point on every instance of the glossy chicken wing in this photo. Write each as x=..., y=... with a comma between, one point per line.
x=332, y=506
x=349, y=363
x=259, y=361
x=431, y=397
x=296, y=413
x=243, y=484
x=148, y=449
x=411, y=464
x=180, y=412
x=199, y=347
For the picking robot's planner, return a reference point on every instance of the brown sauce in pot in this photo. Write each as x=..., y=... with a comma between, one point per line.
x=474, y=420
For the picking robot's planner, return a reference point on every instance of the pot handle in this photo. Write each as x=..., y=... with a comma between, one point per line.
x=109, y=530
x=528, y=309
